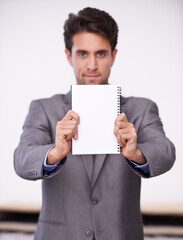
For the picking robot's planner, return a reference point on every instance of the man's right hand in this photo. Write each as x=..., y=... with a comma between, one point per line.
x=66, y=129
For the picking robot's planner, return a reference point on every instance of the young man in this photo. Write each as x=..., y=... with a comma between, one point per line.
x=75, y=205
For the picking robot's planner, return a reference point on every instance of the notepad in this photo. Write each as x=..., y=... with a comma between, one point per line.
x=98, y=106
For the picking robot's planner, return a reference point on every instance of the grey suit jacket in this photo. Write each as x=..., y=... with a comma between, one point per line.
x=77, y=203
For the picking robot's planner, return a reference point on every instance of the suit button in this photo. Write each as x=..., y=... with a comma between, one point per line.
x=88, y=233
x=95, y=201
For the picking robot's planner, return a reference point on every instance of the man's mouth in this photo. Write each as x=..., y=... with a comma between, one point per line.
x=92, y=76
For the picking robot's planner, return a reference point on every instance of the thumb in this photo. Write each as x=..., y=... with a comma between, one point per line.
x=76, y=134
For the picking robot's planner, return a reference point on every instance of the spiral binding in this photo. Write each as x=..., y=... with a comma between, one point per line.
x=118, y=100
x=118, y=110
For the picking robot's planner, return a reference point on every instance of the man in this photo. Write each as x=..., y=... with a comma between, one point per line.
x=76, y=206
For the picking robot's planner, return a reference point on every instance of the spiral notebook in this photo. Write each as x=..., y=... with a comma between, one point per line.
x=98, y=106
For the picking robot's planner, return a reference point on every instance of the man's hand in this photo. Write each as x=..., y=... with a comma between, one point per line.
x=127, y=138
x=66, y=129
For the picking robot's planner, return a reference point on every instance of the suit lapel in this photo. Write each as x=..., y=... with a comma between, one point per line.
x=88, y=161
x=93, y=167
x=99, y=161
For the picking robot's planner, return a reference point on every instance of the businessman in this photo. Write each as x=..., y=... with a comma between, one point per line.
x=86, y=196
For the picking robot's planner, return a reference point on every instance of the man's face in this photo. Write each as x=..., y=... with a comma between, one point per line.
x=91, y=58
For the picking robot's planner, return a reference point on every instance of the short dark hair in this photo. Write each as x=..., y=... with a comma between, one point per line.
x=91, y=20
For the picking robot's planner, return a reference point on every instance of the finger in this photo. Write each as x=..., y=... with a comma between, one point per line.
x=130, y=137
x=66, y=134
x=122, y=117
x=72, y=131
x=121, y=125
x=120, y=122
x=72, y=115
x=68, y=124
x=121, y=140
x=76, y=134
x=119, y=137
x=123, y=131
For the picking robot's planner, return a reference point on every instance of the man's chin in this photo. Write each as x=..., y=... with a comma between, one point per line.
x=91, y=82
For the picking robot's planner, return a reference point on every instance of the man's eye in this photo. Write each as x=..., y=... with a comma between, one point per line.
x=101, y=54
x=82, y=54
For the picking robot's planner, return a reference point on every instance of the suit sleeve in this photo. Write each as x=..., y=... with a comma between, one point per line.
x=156, y=147
x=34, y=143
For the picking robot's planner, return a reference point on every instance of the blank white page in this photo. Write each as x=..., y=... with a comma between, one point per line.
x=98, y=107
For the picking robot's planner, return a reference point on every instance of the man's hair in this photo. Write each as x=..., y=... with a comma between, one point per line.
x=91, y=20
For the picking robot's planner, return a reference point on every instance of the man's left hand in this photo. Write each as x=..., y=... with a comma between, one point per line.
x=127, y=138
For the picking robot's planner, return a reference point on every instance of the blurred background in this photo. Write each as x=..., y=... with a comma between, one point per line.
x=33, y=65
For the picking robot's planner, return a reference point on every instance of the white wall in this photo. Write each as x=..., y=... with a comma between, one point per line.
x=33, y=65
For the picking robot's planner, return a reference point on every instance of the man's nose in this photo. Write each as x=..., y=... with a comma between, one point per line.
x=92, y=63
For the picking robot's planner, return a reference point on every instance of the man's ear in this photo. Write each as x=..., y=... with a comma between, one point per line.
x=68, y=55
x=114, y=56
